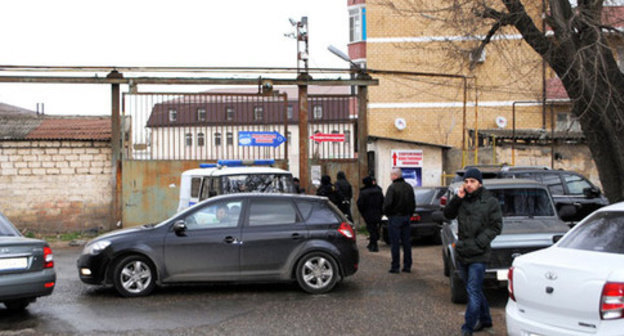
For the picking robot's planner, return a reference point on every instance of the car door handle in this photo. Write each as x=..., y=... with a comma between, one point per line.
x=577, y=204
x=230, y=240
x=296, y=236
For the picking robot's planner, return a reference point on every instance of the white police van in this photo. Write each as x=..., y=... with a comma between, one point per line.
x=232, y=176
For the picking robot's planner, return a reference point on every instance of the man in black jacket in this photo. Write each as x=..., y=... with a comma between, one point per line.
x=370, y=205
x=479, y=220
x=399, y=206
x=344, y=188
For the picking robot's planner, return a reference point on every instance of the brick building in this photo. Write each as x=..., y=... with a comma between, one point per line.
x=507, y=77
x=55, y=171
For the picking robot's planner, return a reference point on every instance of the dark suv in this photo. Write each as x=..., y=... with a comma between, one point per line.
x=566, y=188
x=232, y=238
x=529, y=223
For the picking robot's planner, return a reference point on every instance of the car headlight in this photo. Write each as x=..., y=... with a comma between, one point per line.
x=96, y=247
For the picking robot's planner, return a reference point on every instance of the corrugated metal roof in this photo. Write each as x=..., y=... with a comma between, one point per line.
x=17, y=127
x=555, y=89
x=72, y=128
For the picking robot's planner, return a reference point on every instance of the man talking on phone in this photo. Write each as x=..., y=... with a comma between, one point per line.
x=480, y=221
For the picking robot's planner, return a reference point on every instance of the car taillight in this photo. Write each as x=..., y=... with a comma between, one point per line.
x=612, y=301
x=48, y=257
x=510, y=283
x=443, y=200
x=346, y=230
x=415, y=218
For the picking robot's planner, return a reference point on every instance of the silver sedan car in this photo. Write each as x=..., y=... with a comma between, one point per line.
x=26, y=267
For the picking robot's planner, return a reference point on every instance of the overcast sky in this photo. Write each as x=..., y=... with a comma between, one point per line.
x=239, y=33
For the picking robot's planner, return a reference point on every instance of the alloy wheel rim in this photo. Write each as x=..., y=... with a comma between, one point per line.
x=317, y=272
x=136, y=277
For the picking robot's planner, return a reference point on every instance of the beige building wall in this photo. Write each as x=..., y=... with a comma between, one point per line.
x=434, y=106
x=56, y=186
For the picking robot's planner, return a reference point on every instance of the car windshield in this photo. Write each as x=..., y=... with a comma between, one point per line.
x=524, y=202
x=6, y=228
x=602, y=232
x=266, y=183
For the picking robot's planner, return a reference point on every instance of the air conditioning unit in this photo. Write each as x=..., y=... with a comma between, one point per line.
x=480, y=58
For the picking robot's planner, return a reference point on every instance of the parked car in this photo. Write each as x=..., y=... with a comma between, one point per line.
x=566, y=188
x=233, y=238
x=575, y=287
x=421, y=223
x=26, y=267
x=530, y=223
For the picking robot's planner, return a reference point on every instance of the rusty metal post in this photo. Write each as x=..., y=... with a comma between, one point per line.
x=304, y=167
x=115, y=145
x=362, y=125
x=464, y=122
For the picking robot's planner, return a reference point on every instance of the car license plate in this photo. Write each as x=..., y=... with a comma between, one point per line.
x=501, y=275
x=13, y=264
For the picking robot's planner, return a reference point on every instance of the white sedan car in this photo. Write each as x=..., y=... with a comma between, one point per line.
x=575, y=287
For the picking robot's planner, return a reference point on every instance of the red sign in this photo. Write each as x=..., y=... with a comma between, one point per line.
x=322, y=137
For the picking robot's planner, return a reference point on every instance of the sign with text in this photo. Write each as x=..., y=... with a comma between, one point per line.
x=407, y=158
x=323, y=137
x=264, y=139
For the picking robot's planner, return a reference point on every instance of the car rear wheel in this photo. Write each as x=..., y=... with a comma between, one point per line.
x=17, y=305
x=317, y=273
x=458, y=289
x=134, y=276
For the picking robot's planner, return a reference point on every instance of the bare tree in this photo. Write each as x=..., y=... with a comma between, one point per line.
x=574, y=42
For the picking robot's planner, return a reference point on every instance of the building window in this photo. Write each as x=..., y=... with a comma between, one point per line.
x=317, y=112
x=173, y=115
x=289, y=112
x=258, y=113
x=357, y=24
x=189, y=139
x=566, y=122
x=288, y=137
x=229, y=138
x=347, y=137
x=201, y=114
x=229, y=113
x=217, y=139
x=200, y=139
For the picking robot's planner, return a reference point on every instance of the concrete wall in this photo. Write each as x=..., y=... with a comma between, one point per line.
x=56, y=186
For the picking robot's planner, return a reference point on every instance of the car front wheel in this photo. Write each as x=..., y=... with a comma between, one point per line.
x=317, y=273
x=134, y=276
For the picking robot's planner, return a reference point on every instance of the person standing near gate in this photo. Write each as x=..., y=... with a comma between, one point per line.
x=344, y=189
x=399, y=206
x=370, y=205
x=479, y=222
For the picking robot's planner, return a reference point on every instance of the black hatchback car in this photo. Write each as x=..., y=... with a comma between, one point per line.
x=229, y=238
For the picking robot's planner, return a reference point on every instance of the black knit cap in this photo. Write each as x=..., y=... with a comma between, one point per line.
x=474, y=173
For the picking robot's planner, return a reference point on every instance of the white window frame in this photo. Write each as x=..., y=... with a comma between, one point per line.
x=317, y=111
x=229, y=113
x=258, y=113
x=173, y=115
x=356, y=23
x=188, y=139
x=201, y=140
x=201, y=114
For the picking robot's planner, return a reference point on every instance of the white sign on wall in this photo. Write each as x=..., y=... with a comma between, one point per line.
x=407, y=158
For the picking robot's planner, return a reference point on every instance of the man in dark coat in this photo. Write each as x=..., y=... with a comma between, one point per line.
x=344, y=188
x=328, y=190
x=399, y=206
x=479, y=220
x=370, y=205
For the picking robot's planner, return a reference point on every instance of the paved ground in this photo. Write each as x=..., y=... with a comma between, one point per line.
x=373, y=302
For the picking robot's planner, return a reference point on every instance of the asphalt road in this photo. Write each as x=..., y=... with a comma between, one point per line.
x=372, y=302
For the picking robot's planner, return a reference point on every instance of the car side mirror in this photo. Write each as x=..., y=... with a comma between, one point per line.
x=591, y=192
x=179, y=227
x=566, y=211
x=438, y=216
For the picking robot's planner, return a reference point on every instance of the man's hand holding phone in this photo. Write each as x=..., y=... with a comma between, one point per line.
x=461, y=192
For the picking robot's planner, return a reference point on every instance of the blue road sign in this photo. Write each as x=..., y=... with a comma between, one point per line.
x=263, y=139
